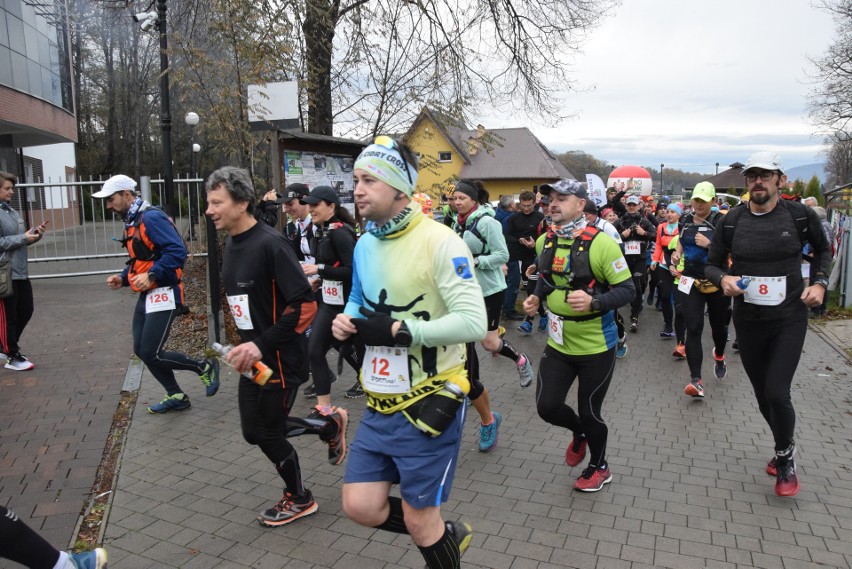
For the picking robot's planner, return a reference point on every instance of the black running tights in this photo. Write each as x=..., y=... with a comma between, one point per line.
x=556, y=374
x=691, y=306
x=21, y=544
x=770, y=353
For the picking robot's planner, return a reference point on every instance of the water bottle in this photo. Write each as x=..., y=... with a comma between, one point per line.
x=437, y=411
x=260, y=372
x=743, y=283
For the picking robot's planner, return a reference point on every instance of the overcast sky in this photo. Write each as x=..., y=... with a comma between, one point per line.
x=692, y=83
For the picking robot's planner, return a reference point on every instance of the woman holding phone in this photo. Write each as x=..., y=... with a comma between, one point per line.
x=16, y=309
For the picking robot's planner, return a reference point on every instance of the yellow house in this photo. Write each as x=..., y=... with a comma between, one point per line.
x=506, y=160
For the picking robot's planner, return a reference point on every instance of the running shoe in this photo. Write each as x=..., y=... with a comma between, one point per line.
x=461, y=533
x=720, y=368
x=576, y=451
x=210, y=376
x=525, y=327
x=542, y=323
x=786, y=481
x=525, y=371
x=289, y=509
x=659, y=306
x=94, y=559
x=501, y=331
x=634, y=324
x=694, y=388
x=679, y=352
x=176, y=402
x=650, y=300
x=667, y=333
x=337, y=443
x=488, y=433
x=19, y=362
x=593, y=479
x=772, y=467
x=356, y=391
x=621, y=348
x=310, y=391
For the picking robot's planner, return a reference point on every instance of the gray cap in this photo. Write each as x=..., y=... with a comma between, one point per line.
x=566, y=187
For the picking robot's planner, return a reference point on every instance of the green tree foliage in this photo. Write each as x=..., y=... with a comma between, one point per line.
x=812, y=190
x=798, y=188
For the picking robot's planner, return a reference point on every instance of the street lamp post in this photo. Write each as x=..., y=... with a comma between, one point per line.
x=662, y=191
x=717, y=167
x=192, y=119
x=165, y=113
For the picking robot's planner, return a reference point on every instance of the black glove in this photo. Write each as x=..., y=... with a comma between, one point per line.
x=375, y=328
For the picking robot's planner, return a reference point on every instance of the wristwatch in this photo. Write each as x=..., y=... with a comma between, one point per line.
x=403, y=336
x=596, y=304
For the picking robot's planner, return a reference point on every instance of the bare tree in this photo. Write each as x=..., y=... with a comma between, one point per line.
x=831, y=100
x=392, y=57
x=838, y=159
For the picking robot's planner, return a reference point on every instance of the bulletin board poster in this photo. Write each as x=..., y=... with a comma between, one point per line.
x=313, y=169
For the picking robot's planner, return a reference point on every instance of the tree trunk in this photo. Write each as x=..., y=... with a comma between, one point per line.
x=318, y=28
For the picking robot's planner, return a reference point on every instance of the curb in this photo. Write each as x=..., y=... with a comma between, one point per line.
x=132, y=381
x=830, y=339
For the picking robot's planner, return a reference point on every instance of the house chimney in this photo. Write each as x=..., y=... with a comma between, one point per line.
x=472, y=145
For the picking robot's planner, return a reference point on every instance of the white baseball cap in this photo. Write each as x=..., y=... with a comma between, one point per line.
x=116, y=184
x=765, y=161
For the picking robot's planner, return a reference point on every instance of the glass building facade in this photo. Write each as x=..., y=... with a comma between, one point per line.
x=34, y=54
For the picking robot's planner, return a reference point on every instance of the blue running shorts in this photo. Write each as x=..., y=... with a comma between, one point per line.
x=388, y=448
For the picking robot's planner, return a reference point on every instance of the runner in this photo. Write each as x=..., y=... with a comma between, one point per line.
x=695, y=293
x=272, y=305
x=157, y=254
x=764, y=240
x=415, y=302
x=636, y=231
x=661, y=261
x=331, y=246
x=483, y=235
x=582, y=326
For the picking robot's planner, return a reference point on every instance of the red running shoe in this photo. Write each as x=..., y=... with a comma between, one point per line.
x=786, y=481
x=593, y=479
x=576, y=451
x=679, y=352
x=694, y=388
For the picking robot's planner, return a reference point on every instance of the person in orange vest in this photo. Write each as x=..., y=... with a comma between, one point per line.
x=157, y=255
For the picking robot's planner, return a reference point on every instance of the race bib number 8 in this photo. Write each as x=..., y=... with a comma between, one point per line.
x=766, y=291
x=239, y=304
x=160, y=299
x=385, y=370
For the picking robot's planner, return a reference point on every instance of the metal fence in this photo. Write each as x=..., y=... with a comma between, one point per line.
x=84, y=238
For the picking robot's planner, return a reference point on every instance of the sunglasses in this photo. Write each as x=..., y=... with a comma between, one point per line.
x=765, y=176
x=391, y=144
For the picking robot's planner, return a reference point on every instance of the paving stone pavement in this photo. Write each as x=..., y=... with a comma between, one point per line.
x=689, y=487
x=55, y=418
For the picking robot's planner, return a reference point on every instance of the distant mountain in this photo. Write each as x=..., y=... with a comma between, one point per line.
x=807, y=172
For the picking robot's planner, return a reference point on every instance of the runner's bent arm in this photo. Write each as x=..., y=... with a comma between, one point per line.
x=717, y=259
x=492, y=233
x=172, y=251
x=343, y=243
x=299, y=306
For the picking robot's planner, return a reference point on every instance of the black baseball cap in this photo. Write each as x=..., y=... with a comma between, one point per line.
x=294, y=192
x=321, y=193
